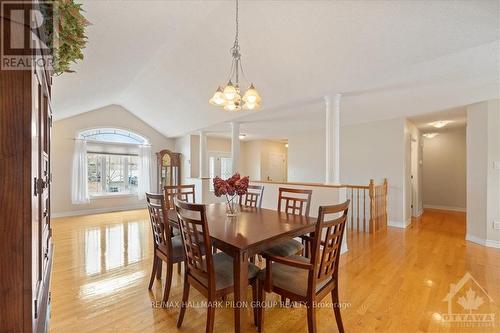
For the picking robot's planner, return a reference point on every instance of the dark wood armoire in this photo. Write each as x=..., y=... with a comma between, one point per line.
x=25, y=180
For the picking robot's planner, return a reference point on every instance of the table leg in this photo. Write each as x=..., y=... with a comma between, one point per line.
x=240, y=291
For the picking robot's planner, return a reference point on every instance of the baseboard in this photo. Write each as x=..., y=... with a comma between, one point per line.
x=399, y=224
x=453, y=209
x=475, y=239
x=493, y=243
x=98, y=210
x=419, y=213
x=483, y=242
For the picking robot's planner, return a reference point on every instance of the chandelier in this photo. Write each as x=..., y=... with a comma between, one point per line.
x=229, y=97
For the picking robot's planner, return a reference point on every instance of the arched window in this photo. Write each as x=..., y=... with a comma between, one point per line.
x=114, y=135
x=111, y=162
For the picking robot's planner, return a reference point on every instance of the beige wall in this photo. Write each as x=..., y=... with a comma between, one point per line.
x=64, y=132
x=377, y=150
x=444, y=171
x=251, y=159
x=254, y=155
x=483, y=179
x=306, y=157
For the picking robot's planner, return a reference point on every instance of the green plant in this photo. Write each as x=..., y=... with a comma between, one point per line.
x=66, y=35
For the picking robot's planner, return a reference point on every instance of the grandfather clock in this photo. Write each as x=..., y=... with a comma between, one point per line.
x=169, y=169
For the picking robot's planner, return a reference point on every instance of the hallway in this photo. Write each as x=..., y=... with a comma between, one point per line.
x=392, y=281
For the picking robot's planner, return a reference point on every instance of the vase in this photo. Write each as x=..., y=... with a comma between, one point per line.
x=232, y=208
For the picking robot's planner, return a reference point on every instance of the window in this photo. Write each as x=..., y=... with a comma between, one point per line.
x=219, y=164
x=109, y=161
x=110, y=174
x=112, y=135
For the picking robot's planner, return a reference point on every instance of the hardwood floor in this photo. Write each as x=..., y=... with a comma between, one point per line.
x=393, y=281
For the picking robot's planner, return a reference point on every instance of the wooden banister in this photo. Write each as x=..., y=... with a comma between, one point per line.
x=368, y=210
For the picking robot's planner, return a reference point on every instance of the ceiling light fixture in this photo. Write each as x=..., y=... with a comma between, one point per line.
x=229, y=97
x=286, y=145
x=430, y=135
x=440, y=123
x=242, y=136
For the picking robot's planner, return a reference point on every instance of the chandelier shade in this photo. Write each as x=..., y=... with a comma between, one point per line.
x=229, y=96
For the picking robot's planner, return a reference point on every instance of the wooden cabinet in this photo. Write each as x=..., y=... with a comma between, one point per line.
x=169, y=166
x=25, y=233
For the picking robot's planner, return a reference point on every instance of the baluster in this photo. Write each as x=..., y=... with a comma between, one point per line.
x=357, y=204
x=364, y=209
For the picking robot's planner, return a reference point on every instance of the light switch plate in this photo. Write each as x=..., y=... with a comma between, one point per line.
x=496, y=224
x=496, y=165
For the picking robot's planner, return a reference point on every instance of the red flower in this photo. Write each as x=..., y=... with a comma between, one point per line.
x=234, y=185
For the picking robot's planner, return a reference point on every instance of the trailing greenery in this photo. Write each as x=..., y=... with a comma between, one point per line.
x=68, y=40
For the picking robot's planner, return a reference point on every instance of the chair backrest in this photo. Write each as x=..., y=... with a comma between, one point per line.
x=195, y=237
x=159, y=220
x=327, y=242
x=183, y=192
x=294, y=201
x=253, y=197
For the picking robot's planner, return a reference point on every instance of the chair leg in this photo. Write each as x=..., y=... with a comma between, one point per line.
x=159, y=268
x=185, y=297
x=168, y=281
x=254, y=298
x=336, y=309
x=311, y=318
x=153, y=273
x=179, y=267
x=261, y=296
x=210, y=316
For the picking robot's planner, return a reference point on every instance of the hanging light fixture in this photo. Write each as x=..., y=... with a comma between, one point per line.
x=229, y=97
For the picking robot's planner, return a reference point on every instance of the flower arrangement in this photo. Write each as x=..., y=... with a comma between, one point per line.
x=231, y=188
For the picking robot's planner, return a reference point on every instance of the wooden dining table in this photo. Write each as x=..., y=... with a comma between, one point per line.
x=252, y=231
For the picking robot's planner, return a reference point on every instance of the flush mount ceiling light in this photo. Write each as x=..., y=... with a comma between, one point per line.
x=430, y=135
x=228, y=97
x=440, y=123
x=242, y=136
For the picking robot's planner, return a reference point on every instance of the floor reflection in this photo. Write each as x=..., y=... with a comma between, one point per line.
x=112, y=246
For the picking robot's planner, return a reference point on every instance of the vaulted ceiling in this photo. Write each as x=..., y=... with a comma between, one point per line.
x=162, y=60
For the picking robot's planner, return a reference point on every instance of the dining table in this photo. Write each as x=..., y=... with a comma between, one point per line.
x=250, y=232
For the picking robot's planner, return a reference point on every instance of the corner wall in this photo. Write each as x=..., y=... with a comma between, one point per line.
x=483, y=173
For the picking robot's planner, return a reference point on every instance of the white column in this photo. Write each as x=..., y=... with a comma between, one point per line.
x=235, y=145
x=332, y=108
x=203, y=155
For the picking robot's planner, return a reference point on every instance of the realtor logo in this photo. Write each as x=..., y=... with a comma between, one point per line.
x=466, y=301
x=27, y=34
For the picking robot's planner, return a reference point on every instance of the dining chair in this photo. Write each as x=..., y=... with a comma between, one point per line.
x=167, y=248
x=211, y=274
x=253, y=197
x=296, y=202
x=185, y=193
x=309, y=280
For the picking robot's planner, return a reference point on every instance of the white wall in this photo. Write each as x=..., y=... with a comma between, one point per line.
x=377, y=150
x=63, y=133
x=483, y=179
x=444, y=171
x=306, y=157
